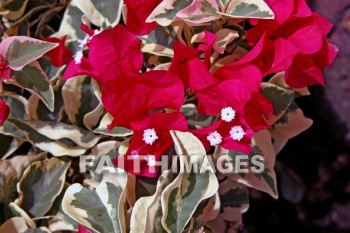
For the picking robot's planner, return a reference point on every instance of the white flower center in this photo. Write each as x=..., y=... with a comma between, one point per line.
x=237, y=133
x=149, y=136
x=228, y=114
x=151, y=160
x=214, y=138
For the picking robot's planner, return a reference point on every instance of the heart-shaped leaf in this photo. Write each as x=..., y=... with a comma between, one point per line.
x=34, y=79
x=101, y=210
x=40, y=184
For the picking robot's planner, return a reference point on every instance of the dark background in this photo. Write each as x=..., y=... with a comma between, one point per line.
x=313, y=170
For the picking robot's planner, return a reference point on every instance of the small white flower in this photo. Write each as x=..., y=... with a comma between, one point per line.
x=214, y=138
x=78, y=56
x=149, y=136
x=237, y=133
x=228, y=114
x=151, y=160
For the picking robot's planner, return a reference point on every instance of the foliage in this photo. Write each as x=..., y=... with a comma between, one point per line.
x=164, y=91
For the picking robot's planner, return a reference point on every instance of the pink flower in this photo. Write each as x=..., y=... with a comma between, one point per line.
x=82, y=229
x=130, y=99
x=180, y=63
x=138, y=11
x=233, y=135
x=236, y=85
x=5, y=70
x=60, y=55
x=291, y=43
x=4, y=111
x=257, y=111
x=257, y=108
x=112, y=52
x=150, y=140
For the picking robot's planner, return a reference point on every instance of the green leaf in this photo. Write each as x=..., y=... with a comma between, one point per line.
x=295, y=124
x=115, y=132
x=33, y=79
x=147, y=211
x=167, y=10
x=18, y=105
x=59, y=145
x=8, y=182
x=248, y=9
x=70, y=24
x=10, y=171
x=102, y=210
x=80, y=98
x=194, y=119
x=158, y=42
x=110, y=9
x=40, y=184
x=23, y=52
x=234, y=201
x=280, y=97
x=264, y=181
x=79, y=136
x=182, y=196
x=16, y=9
x=204, y=11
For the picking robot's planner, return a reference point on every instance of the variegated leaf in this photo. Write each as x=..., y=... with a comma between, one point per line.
x=158, y=42
x=18, y=105
x=200, y=11
x=22, y=50
x=10, y=172
x=223, y=38
x=264, y=181
x=280, y=98
x=60, y=221
x=89, y=10
x=56, y=147
x=111, y=10
x=167, y=10
x=8, y=182
x=248, y=9
x=79, y=136
x=194, y=119
x=115, y=132
x=40, y=184
x=182, y=196
x=234, y=201
x=71, y=22
x=290, y=125
x=147, y=212
x=278, y=79
x=34, y=79
x=15, y=9
x=11, y=139
x=92, y=118
x=79, y=99
x=88, y=164
x=207, y=210
x=102, y=210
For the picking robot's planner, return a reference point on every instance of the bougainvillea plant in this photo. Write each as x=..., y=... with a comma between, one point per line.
x=126, y=84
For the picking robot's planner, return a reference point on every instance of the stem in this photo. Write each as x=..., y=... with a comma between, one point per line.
x=167, y=30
